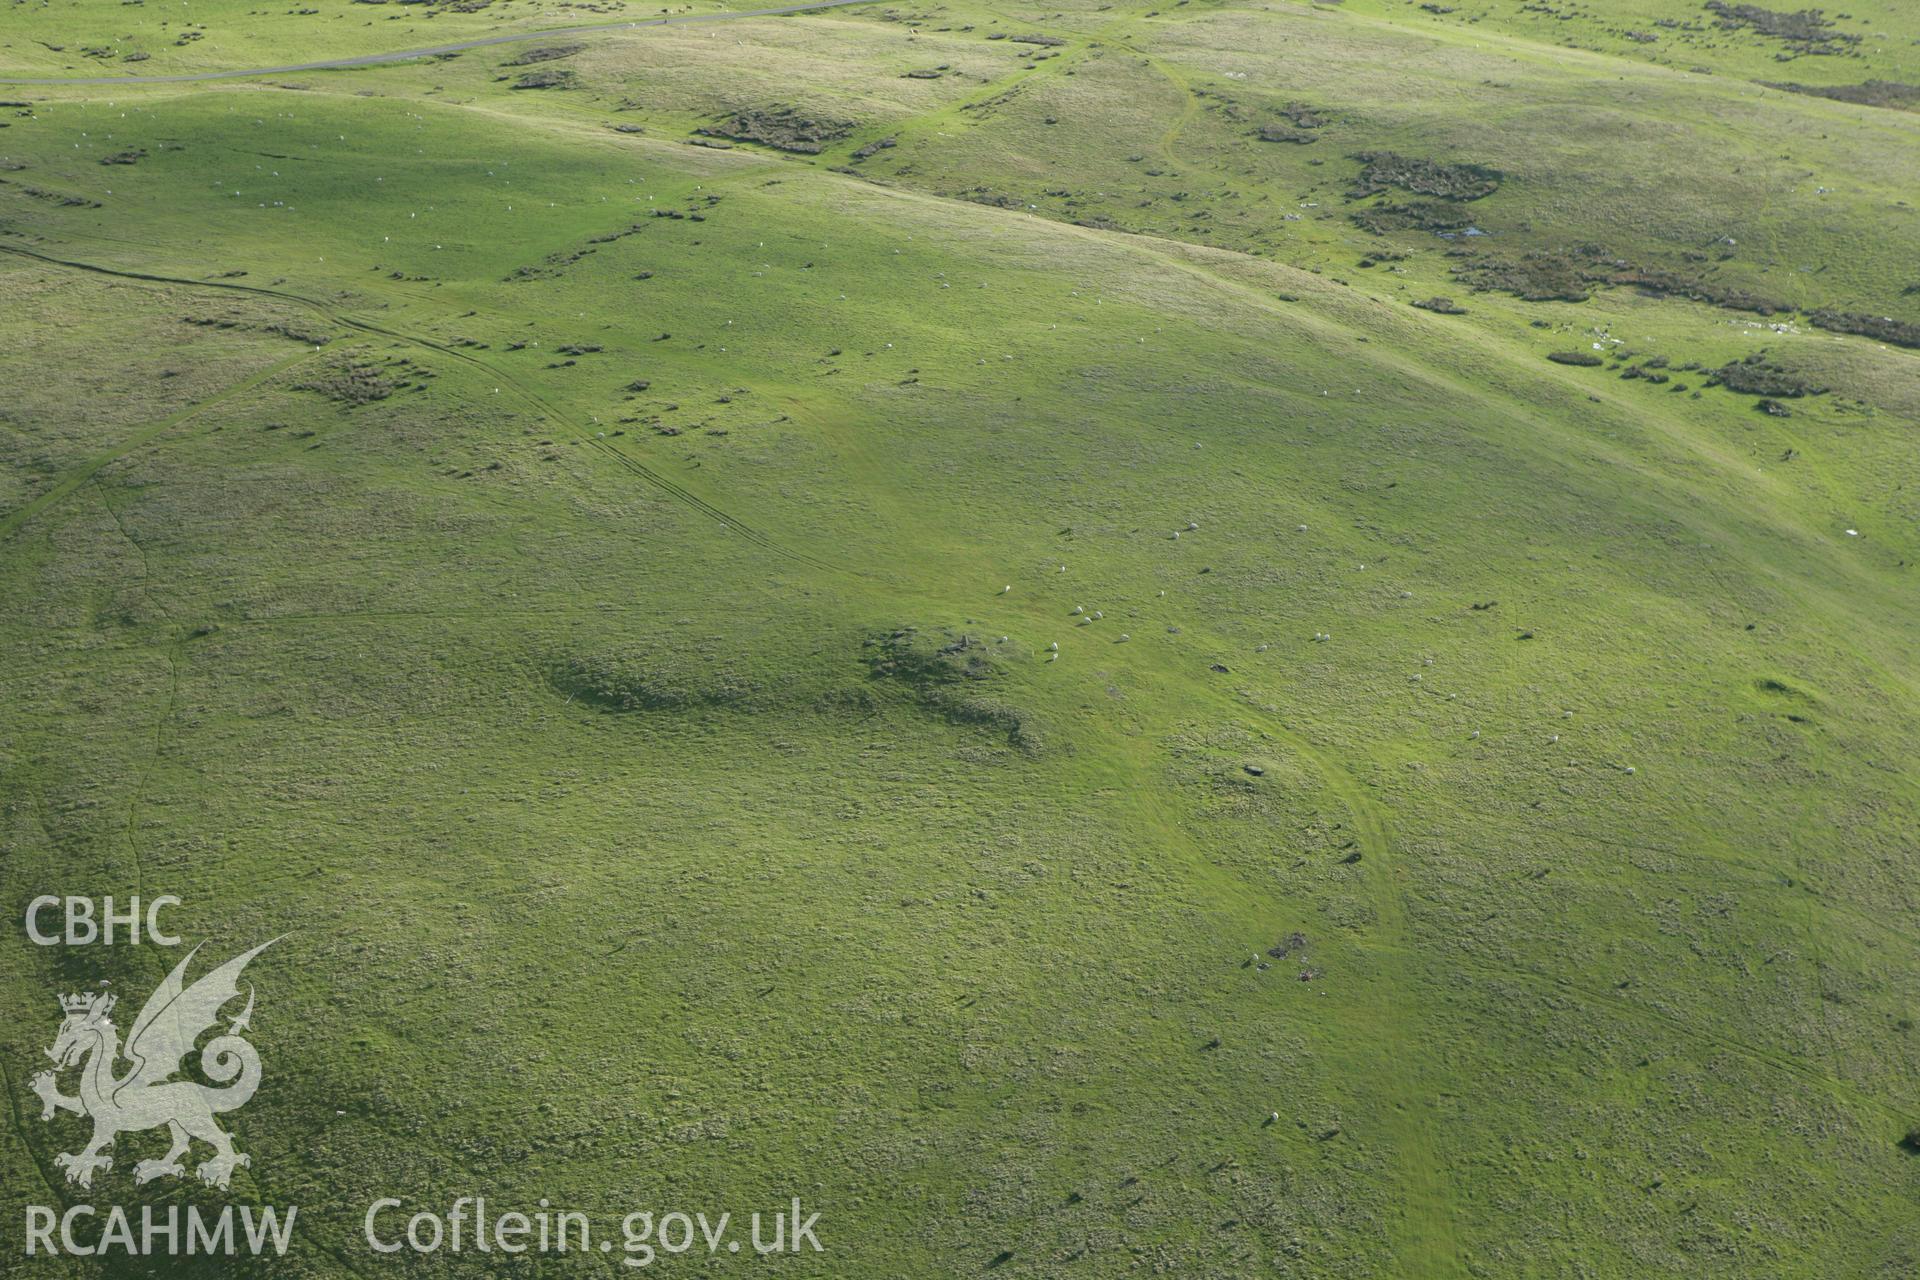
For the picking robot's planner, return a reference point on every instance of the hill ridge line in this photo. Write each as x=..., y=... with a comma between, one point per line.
x=433, y=51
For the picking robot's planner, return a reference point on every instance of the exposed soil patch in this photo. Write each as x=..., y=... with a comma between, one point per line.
x=1583, y=359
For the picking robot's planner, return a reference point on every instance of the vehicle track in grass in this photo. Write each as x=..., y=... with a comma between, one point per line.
x=73, y=480
x=1430, y=1245
x=527, y=395
x=1426, y=1240
x=1370, y=831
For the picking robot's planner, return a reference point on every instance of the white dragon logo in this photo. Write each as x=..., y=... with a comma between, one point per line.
x=146, y=1097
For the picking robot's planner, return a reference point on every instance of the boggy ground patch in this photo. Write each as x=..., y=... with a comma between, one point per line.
x=354, y=382
x=1574, y=274
x=1302, y=124
x=1806, y=30
x=547, y=78
x=292, y=330
x=1759, y=375
x=1900, y=333
x=1891, y=94
x=1297, y=121
x=544, y=53
x=947, y=674
x=1539, y=275
x=665, y=676
x=693, y=666
x=785, y=128
x=1788, y=701
x=1385, y=169
x=1414, y=215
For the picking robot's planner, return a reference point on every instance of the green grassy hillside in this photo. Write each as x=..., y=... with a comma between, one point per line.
x=586, y=562
x=155, y=37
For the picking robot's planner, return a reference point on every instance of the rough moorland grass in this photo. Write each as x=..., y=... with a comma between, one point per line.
x=106, y=38
x=582, y=696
